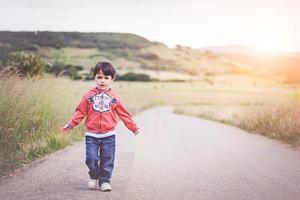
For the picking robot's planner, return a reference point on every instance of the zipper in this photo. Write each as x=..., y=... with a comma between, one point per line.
x=101, y=96
x=100, y=122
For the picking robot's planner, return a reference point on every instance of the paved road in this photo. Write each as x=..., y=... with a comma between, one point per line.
x=175, y=157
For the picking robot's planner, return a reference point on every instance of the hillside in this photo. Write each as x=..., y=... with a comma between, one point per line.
x=233, y=49
x=28, y=40
x=134, y=53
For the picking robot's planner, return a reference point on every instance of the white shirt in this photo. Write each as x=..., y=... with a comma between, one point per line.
x=102, y=135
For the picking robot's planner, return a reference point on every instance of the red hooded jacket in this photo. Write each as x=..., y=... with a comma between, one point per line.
x=100, y=108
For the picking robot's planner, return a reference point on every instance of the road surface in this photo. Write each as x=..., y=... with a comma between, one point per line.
x=174, y=157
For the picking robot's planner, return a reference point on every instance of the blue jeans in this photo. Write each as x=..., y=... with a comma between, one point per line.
x=100, y=156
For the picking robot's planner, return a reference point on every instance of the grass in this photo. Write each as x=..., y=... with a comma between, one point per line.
x=281, y=122
x=33, y=110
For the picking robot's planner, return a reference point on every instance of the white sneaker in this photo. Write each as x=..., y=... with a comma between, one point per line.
x=92, y=184
x=105, y=187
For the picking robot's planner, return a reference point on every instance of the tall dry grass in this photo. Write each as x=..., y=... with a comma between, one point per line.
x=276, y=121
x=281, y=122
x=32, y=112
x=269, y=110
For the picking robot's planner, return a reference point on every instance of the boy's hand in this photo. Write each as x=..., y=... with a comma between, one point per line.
x=66, y=129
x=137, y=131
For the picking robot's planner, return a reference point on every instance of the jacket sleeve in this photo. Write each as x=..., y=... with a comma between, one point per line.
x=80, y=112
x=125, y=116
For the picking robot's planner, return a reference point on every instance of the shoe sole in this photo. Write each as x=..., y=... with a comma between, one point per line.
x=107, y=190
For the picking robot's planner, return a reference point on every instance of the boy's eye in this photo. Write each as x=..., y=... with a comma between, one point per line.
x=101, y=77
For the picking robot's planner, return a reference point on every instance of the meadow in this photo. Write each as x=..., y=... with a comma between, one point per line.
x=34, y=109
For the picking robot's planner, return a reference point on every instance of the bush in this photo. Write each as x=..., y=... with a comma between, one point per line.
x=131, y=76
x=149, y=56
x=58, y=69
x=25, y=64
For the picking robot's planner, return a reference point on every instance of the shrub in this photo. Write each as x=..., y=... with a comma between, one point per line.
x=149, y=56
x=131, y=76
x=58, y=69
x=24, y=64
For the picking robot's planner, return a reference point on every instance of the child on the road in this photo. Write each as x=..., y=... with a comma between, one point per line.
x=100, y=106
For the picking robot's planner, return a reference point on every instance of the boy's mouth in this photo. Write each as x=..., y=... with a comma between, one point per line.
x=102, y=85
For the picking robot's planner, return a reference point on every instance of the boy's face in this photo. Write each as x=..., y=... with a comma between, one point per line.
x=103, y=82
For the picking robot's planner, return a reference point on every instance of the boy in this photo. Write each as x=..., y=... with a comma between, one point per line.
x=99, y=106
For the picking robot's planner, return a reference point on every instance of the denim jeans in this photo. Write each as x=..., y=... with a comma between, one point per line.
x=100, y=156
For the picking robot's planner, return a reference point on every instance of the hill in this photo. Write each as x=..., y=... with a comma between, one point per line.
x=130, y=52
x=233, y=49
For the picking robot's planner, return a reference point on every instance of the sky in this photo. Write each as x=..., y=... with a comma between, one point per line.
x=269, y=25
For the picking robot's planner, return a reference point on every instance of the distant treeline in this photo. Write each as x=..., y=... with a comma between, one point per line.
x=22, y=41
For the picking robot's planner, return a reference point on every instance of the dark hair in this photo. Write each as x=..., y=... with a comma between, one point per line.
x=107, y=69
